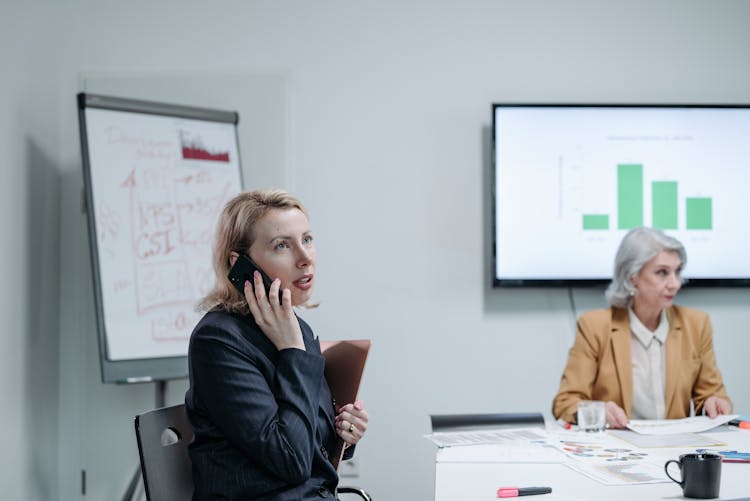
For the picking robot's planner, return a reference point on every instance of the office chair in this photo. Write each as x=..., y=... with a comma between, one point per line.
x=163, y=437
x=454, y=422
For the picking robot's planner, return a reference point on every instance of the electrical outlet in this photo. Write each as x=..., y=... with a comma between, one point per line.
x=349, y=468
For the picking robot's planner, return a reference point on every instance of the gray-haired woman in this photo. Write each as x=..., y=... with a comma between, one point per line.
x=644, y=356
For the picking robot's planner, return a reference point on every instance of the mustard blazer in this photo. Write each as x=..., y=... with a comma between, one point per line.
x=600, y=364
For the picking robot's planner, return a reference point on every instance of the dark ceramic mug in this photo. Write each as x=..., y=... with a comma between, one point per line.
x=700, y=473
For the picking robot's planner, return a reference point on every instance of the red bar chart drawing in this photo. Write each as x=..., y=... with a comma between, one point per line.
x=193, y=148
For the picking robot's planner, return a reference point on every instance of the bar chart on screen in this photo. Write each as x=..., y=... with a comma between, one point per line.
x=581, y=177
x=665, y=206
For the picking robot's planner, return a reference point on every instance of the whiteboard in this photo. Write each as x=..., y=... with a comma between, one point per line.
x=157, y=176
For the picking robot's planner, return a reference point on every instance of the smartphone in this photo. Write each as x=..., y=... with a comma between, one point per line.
x=244, y=269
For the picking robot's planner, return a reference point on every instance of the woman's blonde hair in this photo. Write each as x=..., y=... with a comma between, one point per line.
x=235, y=233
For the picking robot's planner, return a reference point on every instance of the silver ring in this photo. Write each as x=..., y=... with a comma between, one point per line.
x=351, y=428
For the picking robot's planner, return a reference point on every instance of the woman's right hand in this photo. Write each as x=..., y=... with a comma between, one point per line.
x=277, y=321
x=616, y=417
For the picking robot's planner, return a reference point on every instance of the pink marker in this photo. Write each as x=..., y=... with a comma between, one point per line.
x=512, y=492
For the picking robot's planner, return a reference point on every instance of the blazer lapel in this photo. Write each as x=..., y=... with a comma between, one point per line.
x=672, y=349
x=620, y=340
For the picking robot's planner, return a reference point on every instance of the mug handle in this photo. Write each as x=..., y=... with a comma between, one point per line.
x=666, y=465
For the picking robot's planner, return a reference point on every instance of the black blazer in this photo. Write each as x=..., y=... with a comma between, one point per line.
x=263, y=418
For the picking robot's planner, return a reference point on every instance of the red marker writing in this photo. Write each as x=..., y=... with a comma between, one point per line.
x=512, y=492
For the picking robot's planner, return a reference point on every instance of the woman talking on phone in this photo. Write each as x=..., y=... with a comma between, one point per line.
x=260, y=407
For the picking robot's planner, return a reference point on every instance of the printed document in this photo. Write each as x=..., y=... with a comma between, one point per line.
x=693, y=424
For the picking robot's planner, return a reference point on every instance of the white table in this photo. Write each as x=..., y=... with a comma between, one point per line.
x=478, y=481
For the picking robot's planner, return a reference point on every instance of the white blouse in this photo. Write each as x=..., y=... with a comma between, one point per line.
x=649, y=374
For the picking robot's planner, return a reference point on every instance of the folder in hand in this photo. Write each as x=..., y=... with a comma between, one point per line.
x=345, y=362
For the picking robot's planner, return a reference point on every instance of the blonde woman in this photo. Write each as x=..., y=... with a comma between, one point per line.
x=258, y=401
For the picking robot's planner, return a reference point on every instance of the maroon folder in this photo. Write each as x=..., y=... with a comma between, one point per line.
x=345, y=362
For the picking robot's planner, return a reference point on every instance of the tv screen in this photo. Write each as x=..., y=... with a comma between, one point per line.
x=571, y=180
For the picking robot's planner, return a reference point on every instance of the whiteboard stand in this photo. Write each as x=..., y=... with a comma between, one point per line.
x=161, y=393
x=157, y=176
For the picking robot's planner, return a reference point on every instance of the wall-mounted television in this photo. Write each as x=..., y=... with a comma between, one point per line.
x=570, y=180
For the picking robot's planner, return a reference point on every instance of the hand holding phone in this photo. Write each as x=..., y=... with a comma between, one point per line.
x=280, y=325
x=243, y=270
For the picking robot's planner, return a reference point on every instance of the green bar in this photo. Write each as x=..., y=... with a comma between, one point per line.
x=595, y=222
x=629, y=196
x=698, y=213
x=664, y=204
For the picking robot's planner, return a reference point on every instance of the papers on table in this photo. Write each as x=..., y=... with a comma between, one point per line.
x=500, y=445
x=606, y=459
x=517, y=436
x=729, y=456
x=650, y=433
x=501, y=453
x=622, y=473
x=600, y=456
x=693, y=424
x=614, y=457
x=675, y=440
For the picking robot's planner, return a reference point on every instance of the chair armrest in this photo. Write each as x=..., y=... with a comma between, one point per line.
x=355, y=490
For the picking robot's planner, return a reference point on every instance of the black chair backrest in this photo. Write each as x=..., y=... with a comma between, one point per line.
x=449, y=422
x=163, y=437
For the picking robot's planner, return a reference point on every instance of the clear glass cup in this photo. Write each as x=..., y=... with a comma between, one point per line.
x=592, y=415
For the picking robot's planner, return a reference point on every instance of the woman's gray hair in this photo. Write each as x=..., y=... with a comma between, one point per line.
x=638, y=247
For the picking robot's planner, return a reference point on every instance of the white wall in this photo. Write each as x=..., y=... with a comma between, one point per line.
x=29, y=225
x=387, y=115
